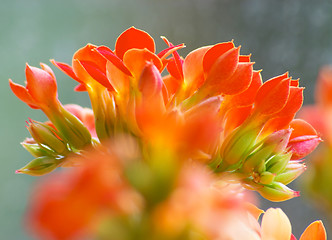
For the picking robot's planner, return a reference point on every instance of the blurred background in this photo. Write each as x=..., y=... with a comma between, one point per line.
x=294, y=36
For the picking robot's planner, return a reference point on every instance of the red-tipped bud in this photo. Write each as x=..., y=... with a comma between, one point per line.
x=303, y=145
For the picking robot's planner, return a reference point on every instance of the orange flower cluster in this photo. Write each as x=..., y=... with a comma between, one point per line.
x=208, y=108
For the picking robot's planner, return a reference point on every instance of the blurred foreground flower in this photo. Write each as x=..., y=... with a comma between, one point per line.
x=162, y=130
x=320, y=116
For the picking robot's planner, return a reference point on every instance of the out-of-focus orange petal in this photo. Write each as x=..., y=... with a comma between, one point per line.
x=272, y=95
x=276, y=225
x=41, y=85
x=315, y=231
x=223, y=68
x=214, y=53
x=113, y=58
x=171, y=84
x=323, y=93
x=80, y=88
x=22, y=93
x=133, y=38
x=314, y=116
x=66, y=69
x=239, y=81
x=136, y=59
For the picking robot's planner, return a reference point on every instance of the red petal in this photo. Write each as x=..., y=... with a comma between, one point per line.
x=177, y=58
x=97, y=74
x=272, y=95
x=23, y=94
x=133, y=38
x=67, y=69
x=214, y=53
x=110, y=56
x=80, y=88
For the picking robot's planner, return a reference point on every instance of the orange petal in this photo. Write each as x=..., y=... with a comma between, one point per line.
x=171, y=84
x=235, y=117
x=150, y=82
x=272, y=95
x=223, y=68
x=135, y=60
x=110, y=56
x=118, y=79
x=41, y=85
x=193, y=68
x=23, y=94
x=172, y=68
x=315, y=231
x=88, y=53
x=133, y=38
x=247, y=97
x=301, y=128
x=214, y=53
x=294, y=102
x=239, y=81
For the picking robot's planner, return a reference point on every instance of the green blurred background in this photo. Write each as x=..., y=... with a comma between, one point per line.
x=293, y=35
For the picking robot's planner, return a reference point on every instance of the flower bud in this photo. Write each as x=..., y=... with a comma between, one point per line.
x=47, y=137
x=277, y=192
x=40, y=166
x=292, y=171
x=278, y=163
x=303, y=145
x=35, y=149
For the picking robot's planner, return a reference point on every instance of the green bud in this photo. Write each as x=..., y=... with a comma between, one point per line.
x=256, y=160
x=278, y=163
x=40, y=166
x=47, y=137
x=36, y=150
x=266, y=178
x=292, y=171
x=277, y=192
x=237, y=145
x=72, y=129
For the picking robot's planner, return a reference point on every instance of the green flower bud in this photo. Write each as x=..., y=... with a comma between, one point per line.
x=278, y=163
x=40, y=166
x=47, y=137
x=266, y=178
x=292, y=171
x=36, y=150
x=276, y=192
